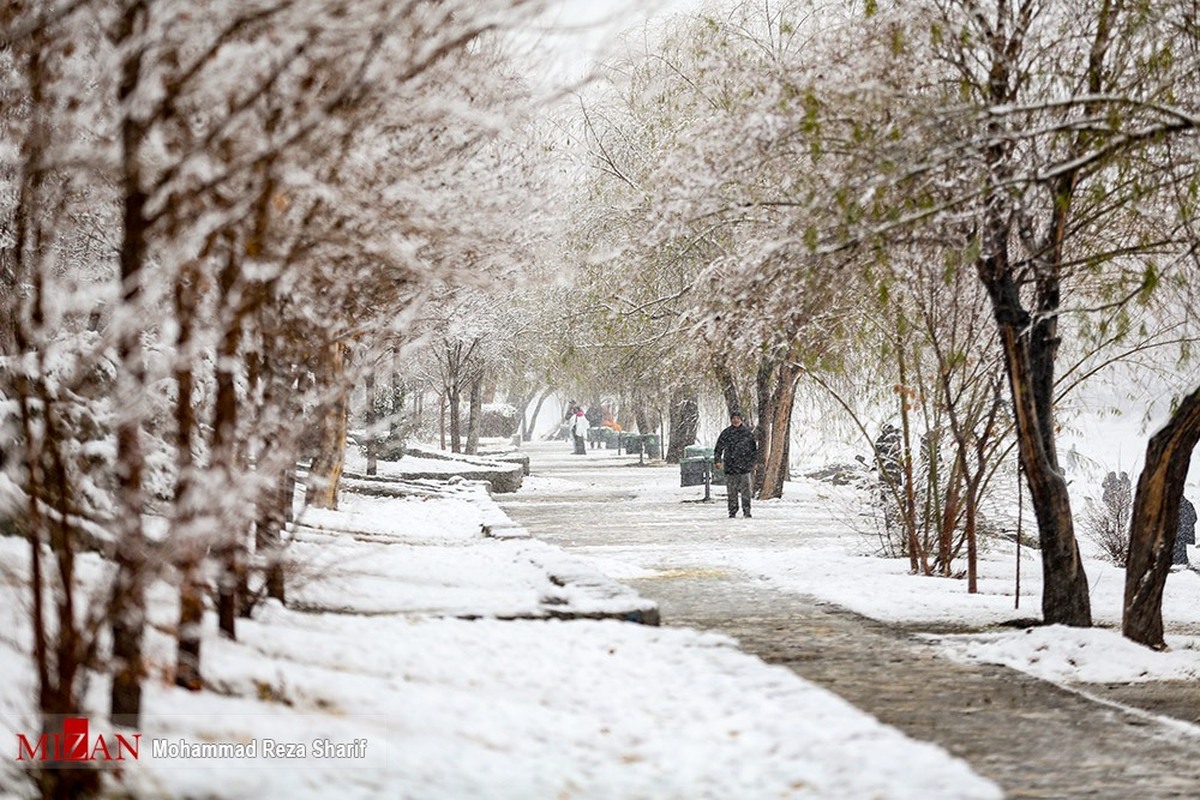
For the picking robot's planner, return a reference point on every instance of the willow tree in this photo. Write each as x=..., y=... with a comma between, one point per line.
x=1043, y=125
x=1023, y=137
x=687, y=278
x=1060, y=113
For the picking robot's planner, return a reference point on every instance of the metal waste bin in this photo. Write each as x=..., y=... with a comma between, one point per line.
x=650, y=444
x=697, y=461
x=694, y=471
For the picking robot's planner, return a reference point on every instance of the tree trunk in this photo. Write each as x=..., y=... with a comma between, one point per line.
x=268, y=537
x=918, y=560
x=326, y=469
x=442, y=420
x=971, y=534
x=289, y=492
x=191, y=617
x=127, y=601
x=762, y=433
x=727, y=385
x=642, y=419
x=57, y=691
x=684, y=421
x=1155, y=522
x=224, y=449
x=777, y=422
x=527, y=430
x=454, y=403
x=191, y=588
x=372, y=467
x=949, y=521
x=1065, y=597
x=475, y=415
x=395, y=397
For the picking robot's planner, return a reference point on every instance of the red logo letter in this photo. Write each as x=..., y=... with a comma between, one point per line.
x=34, y=753
x=75, y=739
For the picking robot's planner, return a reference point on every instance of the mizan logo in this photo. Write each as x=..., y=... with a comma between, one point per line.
x=75, y=745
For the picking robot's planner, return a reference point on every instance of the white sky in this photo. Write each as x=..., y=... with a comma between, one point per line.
x=580, y=33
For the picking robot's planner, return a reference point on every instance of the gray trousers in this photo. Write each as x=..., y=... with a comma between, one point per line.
x=737, y=485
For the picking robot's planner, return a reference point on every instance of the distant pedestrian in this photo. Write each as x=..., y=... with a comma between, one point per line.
x=889, y=450
x=736, y=451
x=888, y=447
x=579, y=429
x=1186, y=532
x=566, y=429
x=594, y=417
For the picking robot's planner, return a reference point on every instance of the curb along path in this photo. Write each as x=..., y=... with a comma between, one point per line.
x=1034, y=739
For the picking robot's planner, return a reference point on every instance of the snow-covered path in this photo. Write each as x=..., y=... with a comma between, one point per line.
x=411, y=662
x=1032, y=737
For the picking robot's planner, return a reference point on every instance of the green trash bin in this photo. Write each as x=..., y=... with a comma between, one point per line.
x=698, y=451
x=632, y=442
x=650, y=444
x=693, y=471
x=697, y=459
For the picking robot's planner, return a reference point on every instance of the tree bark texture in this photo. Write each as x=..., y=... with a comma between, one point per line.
x=326, y=469
x=527, y=429
x=454, y=413
x=1065, y=598
x=371, y=420
x=191, y=617
x=268, y=542
x=224, y=460
x=191, y=588
x=1155, y=522
x=127, y=602
x=684, y=421
x=727, y=385
x=642, y=419
x=775, y=426
x=475, y=414
x=917, y=557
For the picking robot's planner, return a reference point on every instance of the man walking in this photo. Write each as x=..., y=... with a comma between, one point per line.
x=737, y=451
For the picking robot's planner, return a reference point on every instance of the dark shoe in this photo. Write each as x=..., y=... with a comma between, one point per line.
x=746, y=514
x=734, y=514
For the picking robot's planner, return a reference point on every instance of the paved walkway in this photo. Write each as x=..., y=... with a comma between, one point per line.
x=1034, y=739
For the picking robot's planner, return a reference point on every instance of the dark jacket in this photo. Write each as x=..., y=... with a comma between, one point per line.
x=1187, y=531
x=737, y=448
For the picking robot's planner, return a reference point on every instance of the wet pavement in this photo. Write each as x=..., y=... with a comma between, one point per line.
x=1034, y=739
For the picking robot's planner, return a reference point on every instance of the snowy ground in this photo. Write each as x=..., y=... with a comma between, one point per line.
x=390, y=696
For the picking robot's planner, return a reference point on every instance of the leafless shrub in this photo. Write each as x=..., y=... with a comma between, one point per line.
x=1106, y=522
